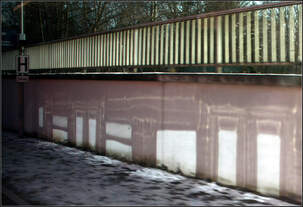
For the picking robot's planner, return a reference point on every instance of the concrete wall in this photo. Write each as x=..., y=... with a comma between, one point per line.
x=239, y=135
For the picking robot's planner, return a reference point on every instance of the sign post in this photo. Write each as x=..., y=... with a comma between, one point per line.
x=21, y=72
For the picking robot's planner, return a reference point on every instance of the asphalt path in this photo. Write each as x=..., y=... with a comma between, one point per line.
x=46, y=173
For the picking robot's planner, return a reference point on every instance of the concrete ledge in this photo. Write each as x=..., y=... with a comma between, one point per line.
x=221, y=78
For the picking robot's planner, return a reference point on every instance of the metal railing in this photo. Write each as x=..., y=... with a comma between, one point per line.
x=261, y=35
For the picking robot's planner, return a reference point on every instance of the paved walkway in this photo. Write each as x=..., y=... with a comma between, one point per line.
x=47, y=173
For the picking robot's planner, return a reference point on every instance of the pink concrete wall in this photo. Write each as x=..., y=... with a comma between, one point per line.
x=226, y=133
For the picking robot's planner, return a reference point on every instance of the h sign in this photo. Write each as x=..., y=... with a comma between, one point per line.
x=22, y=64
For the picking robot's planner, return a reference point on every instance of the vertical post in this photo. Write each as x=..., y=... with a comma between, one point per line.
x=282, y=35
x=241, y=45
x=233, y=38
x=182, y=44
x=188, y=43
x=148, y=46
x=291, y=34
x=152, y=57
x=193, y=42
x=264, y=43
x=273, y=36
x=212, y=40
x=226, y=34
x=157, y=33
x=171, y=37
x=144, y=47
x=256, y=36
x=205, y=42
x=162, y=44
x=219, y=40
x=300, y=34
x=166, y=44
x=140, y=47
x=177, y=43
x=248, y=36
x=21, y=84
x=22, y=18
x=199, y=41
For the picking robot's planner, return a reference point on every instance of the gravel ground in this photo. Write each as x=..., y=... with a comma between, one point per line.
x=46, y=173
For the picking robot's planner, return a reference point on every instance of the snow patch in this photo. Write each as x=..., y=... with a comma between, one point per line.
x=99, y=160
x=156, y=174
x=250, y=196
x=47, y=144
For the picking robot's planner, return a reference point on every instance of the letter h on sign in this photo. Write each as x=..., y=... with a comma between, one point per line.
x=22, y=63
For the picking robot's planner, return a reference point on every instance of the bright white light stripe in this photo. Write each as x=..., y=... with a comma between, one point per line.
x=40, y=116
x=59, y=135
x=117, y=148
x=268, y=164
x=92, y=133
x=227, y=157
x=79, y=131
x=177, y=150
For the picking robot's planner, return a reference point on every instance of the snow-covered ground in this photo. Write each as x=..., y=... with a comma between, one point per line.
x=46, y=173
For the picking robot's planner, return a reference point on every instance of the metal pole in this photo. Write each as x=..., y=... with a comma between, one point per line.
x=22, y=36
x=21, y=84
x=22, y=20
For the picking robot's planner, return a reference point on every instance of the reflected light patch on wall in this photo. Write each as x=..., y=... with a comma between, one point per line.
x=117, y=148
x=60, y=135
x=79, y=131
x=177, y=150
x=40, y=116
x=227, y=157
x=268, y=164
x=92, y=133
